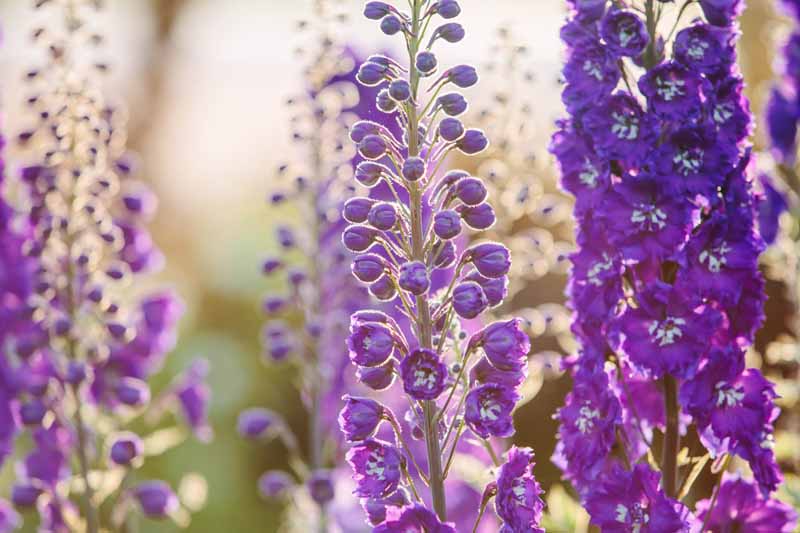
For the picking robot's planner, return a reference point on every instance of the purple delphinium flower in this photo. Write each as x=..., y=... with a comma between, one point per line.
x=377, y=468
x=518, y=501
x=78, y=350
x=665, y=288
x=740, y=506
x=429, y=276
x=156, y=499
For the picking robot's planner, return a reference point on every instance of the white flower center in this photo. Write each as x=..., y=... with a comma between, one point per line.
x=697, y=50
x=589, y=174
x=688, y=161
x=490, y=410
x=728, y=396
x=667, y=331
x=598, y=268
x=715, y=259
x=649, y=217
x=668, y=90
x=592, y=69
x=423, y=378
x=723, y=112
x=376, y=466
x=585, y=421
x=625, y=126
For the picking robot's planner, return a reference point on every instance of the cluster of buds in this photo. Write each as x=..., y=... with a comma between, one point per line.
x=408, y=234
x=665, y=286
x=77, y=349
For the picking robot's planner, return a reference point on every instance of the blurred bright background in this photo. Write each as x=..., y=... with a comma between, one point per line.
x=205, y=83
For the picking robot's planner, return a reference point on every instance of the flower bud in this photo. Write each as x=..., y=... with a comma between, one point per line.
x=390, y=25
x=383, y=289
x=479, y=217
x=368, y=173
x=23, y=496
x=463, y=76
x=285, y=237
x=377, y=378
x=255, y=423
x=424, y=374
x=452, y=104
x=156, y=499
x=496, y=289
x=446, y=224
x=426, y=63
x=360, y=417
x=384, y=101
x=446, y=255
x=274, y=484
x=400, y=90
x=371, y=74
x=452, y=32
x=451, y=129
x=382, y=216
x=470, y=190
x=132, y=391
x=413, y=168
x=32, y=413
x=377, y=10
x=356, y=210
x=469, y=300
x=413, y=277
x=320, y=487
x=270, y=265
x=372, y=147
x=473, y=142
x=358, y=238
x=447, y=9
x=368, y=267
x=491, y=259
x=362, y=128
x=126, y=448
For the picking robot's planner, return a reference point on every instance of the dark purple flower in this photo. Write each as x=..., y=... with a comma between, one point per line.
x=518, y=501
x=741, y=507
x=452, y=32
x=356, y=210
x=424, y=374
x=368, y=267
x=156, y=499
x=376, y=468
x=495, y=289
x=426, y=62
x=360, y=417
x=721, y=12
x=377, y=10
x=378, y=377
x=447, y=224
x=693, y=160
x=632, y=501
x=704, y=48
x=473, y=142
x=469, y=300
x=505, y=344
x=126, y=448
x=471, y=191
x=451, y=129
x=357, y=238
x=24, y=495
x=462, y=76
x=383, y=216
x=488, y=408
x=479, y=217
x=484, y=372
x=400, y=90
x=370, y=344
x=590, y=72
x=624, y=33
x=413, y=277
x=672, y=91
x=491, y=259
x=619, y=128
x=415, y=518
x=446, y=8
x=453, y=104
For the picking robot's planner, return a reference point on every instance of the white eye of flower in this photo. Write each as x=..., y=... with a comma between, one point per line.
x=728, y=396
x=715, y=258
x=697, y=50
x=592, y=69
x=598, y=268
x=589, y=174
x=667, y=331
x=490, y=410
x=375, y=466
x=585, y=421
x=669, y=89
x=723, y=112
x=625, y=126
x=688, y=161
x=649, y=217
x=625, y=35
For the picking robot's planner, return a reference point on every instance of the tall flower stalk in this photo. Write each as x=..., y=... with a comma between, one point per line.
x=77, y=350
x=665, y=289
x=401, y=242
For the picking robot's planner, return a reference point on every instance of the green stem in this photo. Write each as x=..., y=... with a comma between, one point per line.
x=424, y=322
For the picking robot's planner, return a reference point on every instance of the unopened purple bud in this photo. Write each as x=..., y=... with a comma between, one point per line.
x=424, y=374
x=132, y=391
x=156, y=499
x=273, y=304
x=470, y=190
x=413, y=277
x=372, y=147
x=496, y=289
x=126, y=448
x=463, y=76
x=24, y=495
x=473, y=142
x=117, y=331
x=254, y=423
x=390, y=25
x=400, y=90
x=491, y=259
x=270, y=265
x=452, y=32
x=76, y=372
x=356, y=210
x=320, y=487
x=274, y=484
x=277, y=198
x=447, y=9
x=413, y=168
x=285, y=237
x=383, y=216
x=358, y=238
x=32, y=413
x=383, y=289
x=297, y=276
x=141, y=203
x=384, y=101
x=505, y=344
x=479, y=217
x=469, y=300
x=377, y=10
x=377, y=377
x=368, y=173
x=62, y=326
x=451, y=129
x=368, y=267
x=371, y=74
x=360, y=417
x=446, y=255
x=447, y=224
x=452, y=104
x=426, y=63
x=362, y=128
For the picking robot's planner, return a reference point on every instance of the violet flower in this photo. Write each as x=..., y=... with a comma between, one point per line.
x=429, y=275
x=665, y=287
x=78, y=351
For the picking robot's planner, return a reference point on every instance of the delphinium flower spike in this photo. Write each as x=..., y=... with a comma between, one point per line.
x=77, y=351
x=315, y=294
x=665, y=289
x=453, y=381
